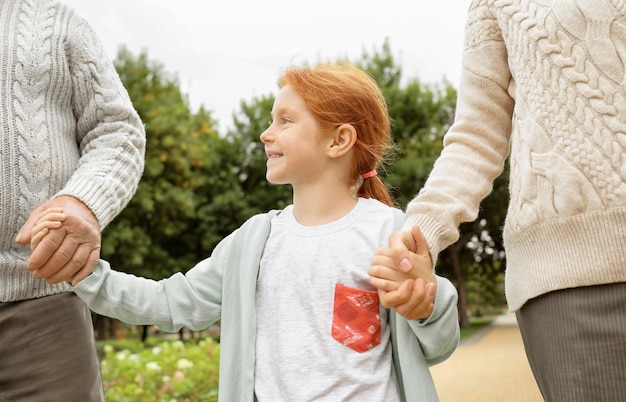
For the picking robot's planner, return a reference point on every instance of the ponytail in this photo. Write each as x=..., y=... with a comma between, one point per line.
x=373, y=187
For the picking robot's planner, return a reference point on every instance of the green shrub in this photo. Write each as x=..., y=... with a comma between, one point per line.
x=171, y=371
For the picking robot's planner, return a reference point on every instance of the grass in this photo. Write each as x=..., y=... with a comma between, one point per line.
x=476, y=324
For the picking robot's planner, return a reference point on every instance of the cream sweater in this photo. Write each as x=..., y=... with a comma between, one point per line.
x=68, y=128
x=544, y=80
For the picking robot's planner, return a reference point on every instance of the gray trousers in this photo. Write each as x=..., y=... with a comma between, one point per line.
x=47, y=351
x=575, y=340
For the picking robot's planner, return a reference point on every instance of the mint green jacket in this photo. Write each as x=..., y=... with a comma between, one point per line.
x=222, y=287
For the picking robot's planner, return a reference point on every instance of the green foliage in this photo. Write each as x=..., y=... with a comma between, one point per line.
x=185, y=201
x=170, y=371
x=478, y=323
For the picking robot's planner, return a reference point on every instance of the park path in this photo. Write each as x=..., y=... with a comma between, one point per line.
x=488, y=366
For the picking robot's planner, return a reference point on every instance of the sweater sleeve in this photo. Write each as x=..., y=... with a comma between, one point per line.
x=109, y=131
x=193, y=300
x=439, y=334
x=170, y=304
x=477, y=144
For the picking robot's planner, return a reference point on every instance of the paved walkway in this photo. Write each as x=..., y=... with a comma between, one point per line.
x=489, y=366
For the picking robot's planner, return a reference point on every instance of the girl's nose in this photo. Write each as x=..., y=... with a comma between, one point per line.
x=266, y=135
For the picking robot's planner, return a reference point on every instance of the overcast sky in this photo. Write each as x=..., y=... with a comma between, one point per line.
x=228, y=51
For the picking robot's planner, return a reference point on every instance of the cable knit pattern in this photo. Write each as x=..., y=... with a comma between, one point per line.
x=562, y=64
x=58, y=89
x=31, y=81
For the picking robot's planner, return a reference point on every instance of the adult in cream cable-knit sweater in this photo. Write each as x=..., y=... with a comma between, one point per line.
x=544, y=82
x=70, y=138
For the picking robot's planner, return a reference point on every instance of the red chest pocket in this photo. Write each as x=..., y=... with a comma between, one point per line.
x=356, y=318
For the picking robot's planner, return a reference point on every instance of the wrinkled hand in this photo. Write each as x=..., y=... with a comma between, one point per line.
x=403, y=275
x=68, y=252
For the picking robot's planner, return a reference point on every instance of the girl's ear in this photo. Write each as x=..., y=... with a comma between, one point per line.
x=343, y=139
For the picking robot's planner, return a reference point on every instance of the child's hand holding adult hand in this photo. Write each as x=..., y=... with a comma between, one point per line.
x=403, y=275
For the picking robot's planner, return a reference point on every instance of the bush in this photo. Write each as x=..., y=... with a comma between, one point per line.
x=170, y=371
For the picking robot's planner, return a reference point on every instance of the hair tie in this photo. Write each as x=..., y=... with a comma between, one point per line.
x=369, y=174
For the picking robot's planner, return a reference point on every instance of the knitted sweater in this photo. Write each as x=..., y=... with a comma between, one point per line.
x=545, y=81
x=68, y=128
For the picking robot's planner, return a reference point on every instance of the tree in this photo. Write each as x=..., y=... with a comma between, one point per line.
x=150, y=237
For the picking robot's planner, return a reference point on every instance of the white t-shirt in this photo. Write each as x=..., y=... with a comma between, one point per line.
x=318, y=318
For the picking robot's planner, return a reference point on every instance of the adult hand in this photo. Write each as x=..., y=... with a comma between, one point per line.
x=403, y=275
x=67, y=253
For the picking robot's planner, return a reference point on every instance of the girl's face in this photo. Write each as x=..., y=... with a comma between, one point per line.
x=294, y=144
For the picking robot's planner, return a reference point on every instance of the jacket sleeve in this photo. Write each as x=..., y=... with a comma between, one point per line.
x=439, y=334
x=109, y=131
x=192, y=300
x=477, y=144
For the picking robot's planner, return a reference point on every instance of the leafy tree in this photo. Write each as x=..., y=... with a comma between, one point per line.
x=151, y=236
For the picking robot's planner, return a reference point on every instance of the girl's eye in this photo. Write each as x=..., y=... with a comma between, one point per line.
x=279, y=120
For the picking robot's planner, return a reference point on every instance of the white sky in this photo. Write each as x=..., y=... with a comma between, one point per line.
x=232, y=50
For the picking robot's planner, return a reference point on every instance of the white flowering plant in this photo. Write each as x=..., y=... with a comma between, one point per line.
x=170, y=371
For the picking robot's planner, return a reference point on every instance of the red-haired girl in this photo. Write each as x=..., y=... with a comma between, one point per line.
x=300, y=319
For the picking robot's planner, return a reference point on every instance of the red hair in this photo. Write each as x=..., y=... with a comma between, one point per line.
x=342, y=93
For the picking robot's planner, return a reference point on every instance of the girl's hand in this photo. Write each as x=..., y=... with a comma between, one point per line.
x=403, y=275
x=51, y=218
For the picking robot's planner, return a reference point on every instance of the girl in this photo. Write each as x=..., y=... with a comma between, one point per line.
x=300, y=320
